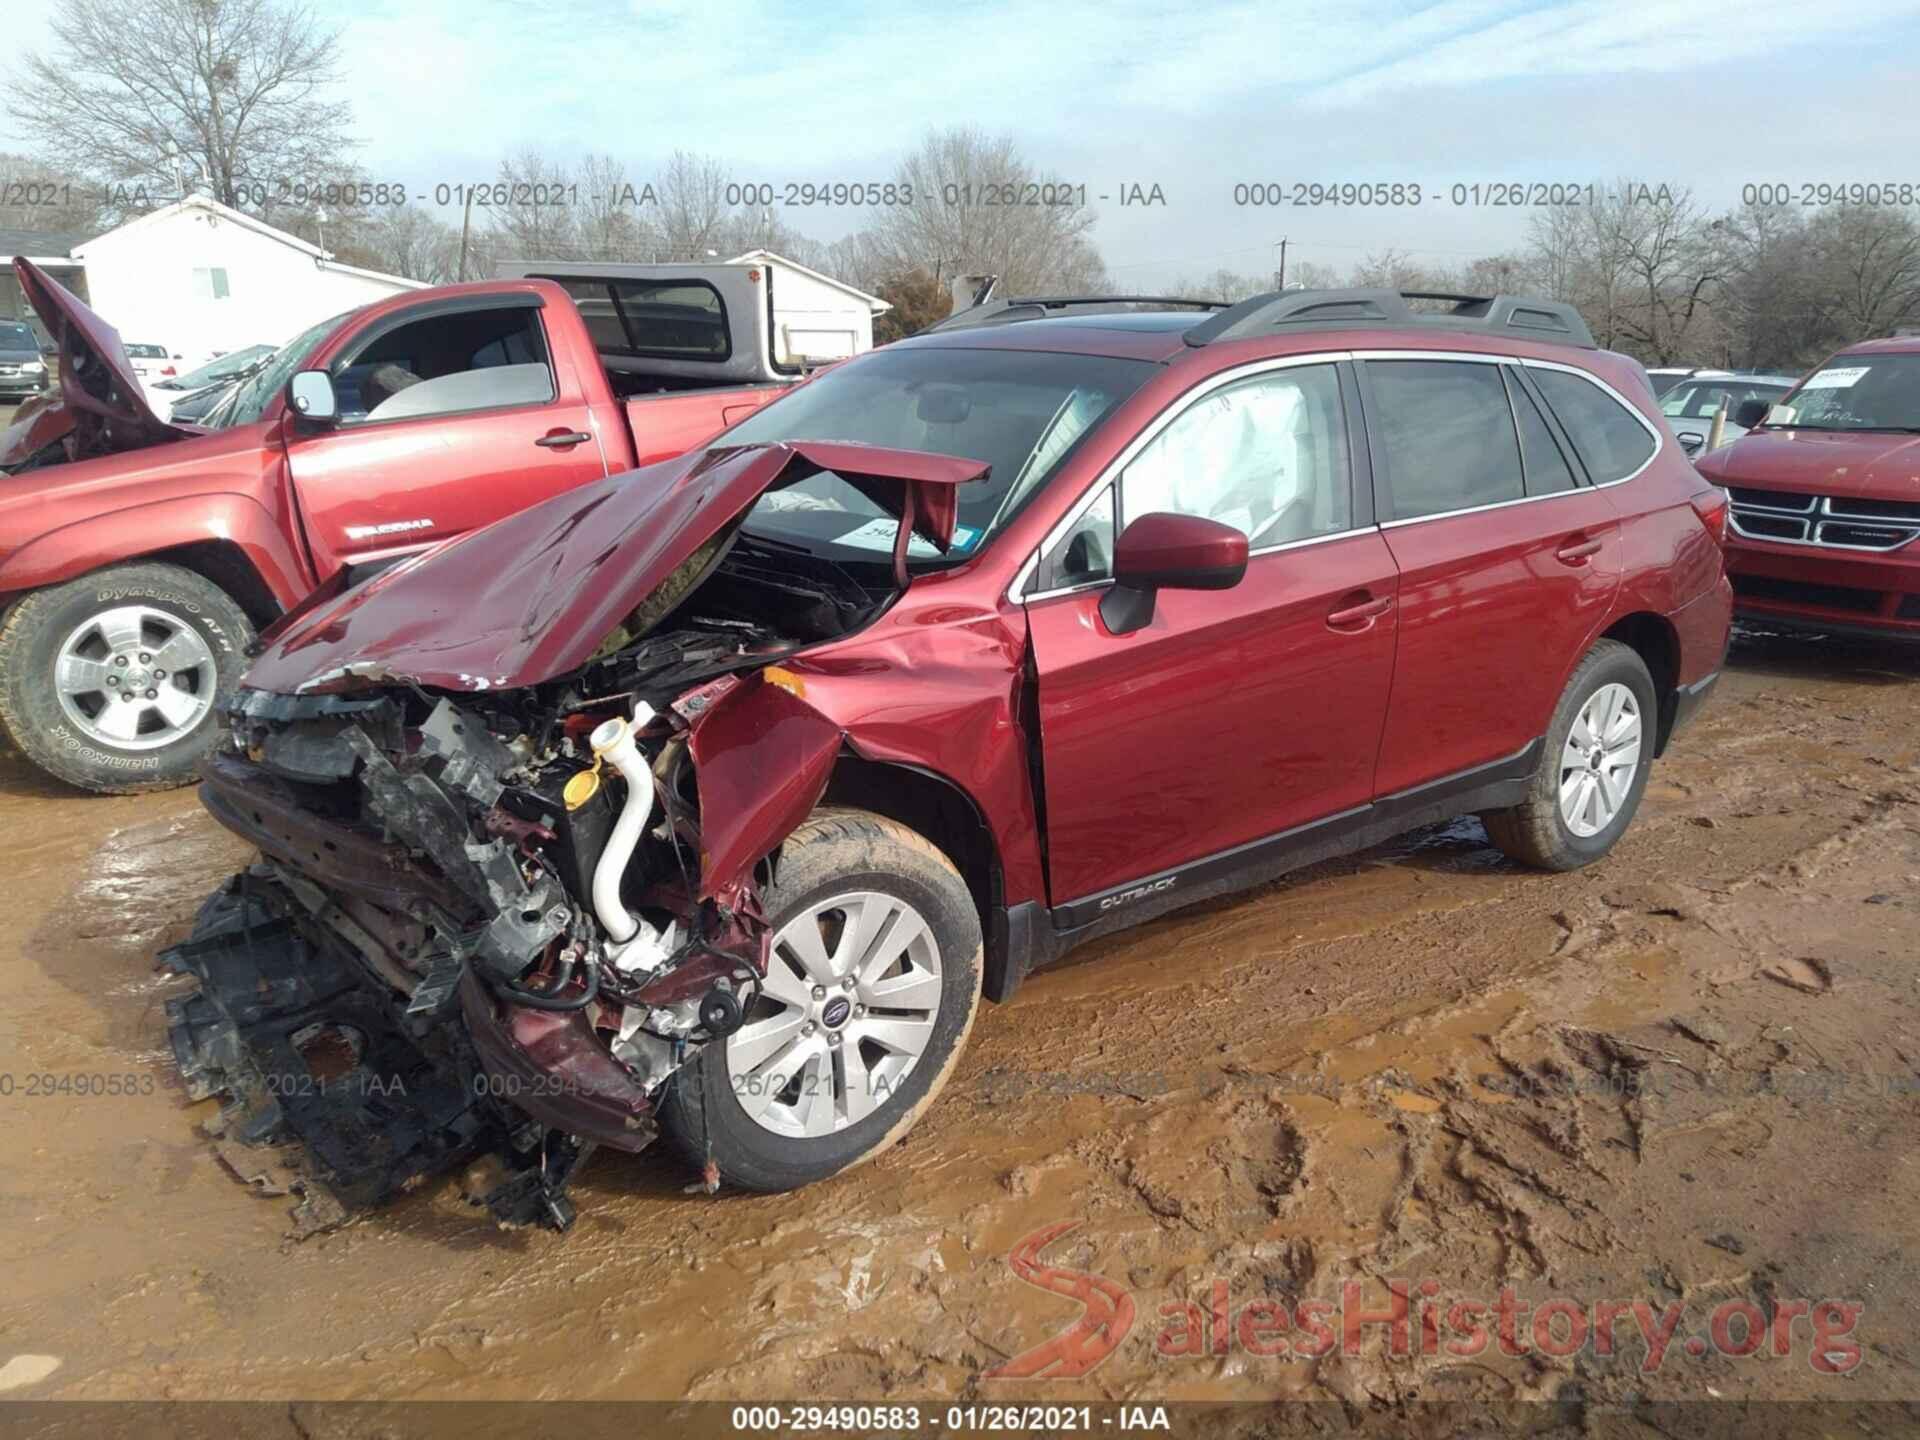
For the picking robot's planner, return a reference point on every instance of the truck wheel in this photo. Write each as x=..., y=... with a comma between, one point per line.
x=1593, y=768
x=113, y=682
x=871, y=989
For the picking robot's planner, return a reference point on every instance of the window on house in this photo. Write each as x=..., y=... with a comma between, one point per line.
x=210, y=283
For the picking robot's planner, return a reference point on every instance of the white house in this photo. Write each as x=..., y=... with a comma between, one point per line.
x=200, y=279
x=815, y=317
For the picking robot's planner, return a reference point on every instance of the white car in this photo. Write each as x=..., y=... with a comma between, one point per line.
x=164, y=390
x=152, y=364
x=1691, y=405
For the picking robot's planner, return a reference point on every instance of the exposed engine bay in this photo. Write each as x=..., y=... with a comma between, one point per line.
x=494, y=924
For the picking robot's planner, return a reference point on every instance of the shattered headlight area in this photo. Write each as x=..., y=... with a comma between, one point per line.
x=478, y=933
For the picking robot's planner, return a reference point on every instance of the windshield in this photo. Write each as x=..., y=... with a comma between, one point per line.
x=147, y=352
x=18, y=337
x=225, y=368
x=1022, y=412
x=1858, y=392
x=1701, y=399
x=251, y=396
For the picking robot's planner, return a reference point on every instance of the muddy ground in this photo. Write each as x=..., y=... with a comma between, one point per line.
x=1685, y=1076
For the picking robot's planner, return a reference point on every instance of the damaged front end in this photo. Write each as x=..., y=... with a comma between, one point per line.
x=492, y=925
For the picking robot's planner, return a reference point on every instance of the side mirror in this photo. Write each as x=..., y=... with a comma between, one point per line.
x=1749, y=413
x=310, y=393
x=1169, y=552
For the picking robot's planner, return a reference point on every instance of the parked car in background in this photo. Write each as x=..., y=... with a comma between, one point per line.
x=1826, y=504
x=712, y=799
x=23, y=368
x=166, y=391
x=1691, y=405
x=152, y=363
x=1665, y=377
x=138, y=556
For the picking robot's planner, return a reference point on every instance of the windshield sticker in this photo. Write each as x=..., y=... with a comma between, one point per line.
x=878, y=535
x=1836, y=379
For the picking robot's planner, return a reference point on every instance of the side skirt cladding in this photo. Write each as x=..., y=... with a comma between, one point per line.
x=1036, y=937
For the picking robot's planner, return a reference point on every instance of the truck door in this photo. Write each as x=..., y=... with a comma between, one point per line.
x=451, y=415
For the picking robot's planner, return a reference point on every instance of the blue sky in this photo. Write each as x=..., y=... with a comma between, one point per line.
x=1191, y=98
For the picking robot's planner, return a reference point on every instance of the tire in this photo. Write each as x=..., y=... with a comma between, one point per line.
x=835, y=855
x=170, y=722
x=1539, y=831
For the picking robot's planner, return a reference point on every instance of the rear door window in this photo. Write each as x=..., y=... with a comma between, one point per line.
x=1547, y=469
x=1612, y=441
x=1444, y=435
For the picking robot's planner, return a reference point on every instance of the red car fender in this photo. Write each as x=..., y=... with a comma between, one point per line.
x=761, y=758
x=73, y=550
x=908, y=692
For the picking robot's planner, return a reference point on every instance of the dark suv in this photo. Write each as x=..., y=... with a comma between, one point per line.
x=714, y=796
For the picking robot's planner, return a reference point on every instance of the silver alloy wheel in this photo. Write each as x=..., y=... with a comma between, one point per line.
x=135, y=678
x=845, y=1013
x=1600, y=759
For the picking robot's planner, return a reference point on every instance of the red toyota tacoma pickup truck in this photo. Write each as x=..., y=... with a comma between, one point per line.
x=138, y=558
x=1825, y=488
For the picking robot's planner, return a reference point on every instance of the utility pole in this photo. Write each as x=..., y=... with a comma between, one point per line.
x=1280, y=272
x=466, y=229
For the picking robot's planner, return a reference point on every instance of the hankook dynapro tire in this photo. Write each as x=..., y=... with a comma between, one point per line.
x=112, y=682
x=1593, y=769
x=871, y=989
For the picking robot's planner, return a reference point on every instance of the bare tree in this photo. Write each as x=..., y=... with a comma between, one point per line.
x=608, y=221
x=1868, y=260
x=234, y=95
x=690, y=213
x=407, y=240
x=533, y=217
x=979, y=207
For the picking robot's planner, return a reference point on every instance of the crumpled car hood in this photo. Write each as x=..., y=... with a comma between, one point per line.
x=99, y=393
x=532, y=596
x=1860, y=464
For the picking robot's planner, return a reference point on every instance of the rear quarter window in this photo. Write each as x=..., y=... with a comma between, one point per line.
x=1611, y=440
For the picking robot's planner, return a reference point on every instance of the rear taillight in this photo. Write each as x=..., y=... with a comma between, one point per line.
x=1711, y=506
x=169, y=371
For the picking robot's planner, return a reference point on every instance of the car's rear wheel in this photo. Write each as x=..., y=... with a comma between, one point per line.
x=871, y=989
x=1593, y=768
x=112, y=682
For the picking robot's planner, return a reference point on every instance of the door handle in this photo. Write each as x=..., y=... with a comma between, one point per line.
x=1578, y=551
x=1357, y=617
x=563, y=439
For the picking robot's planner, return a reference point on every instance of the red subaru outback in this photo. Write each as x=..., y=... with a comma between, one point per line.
x=1826, y=497
x=712, y=797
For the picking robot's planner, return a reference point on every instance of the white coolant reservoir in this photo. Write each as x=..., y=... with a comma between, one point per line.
x=636, y=945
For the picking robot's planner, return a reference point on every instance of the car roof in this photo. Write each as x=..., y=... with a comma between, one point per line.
x=1756, y=377
x=1892, y=345
x=1146, y=335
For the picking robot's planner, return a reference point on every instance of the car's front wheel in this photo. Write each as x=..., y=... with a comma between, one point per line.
x=112, y=682
x=1593, y=768
x=871, y=988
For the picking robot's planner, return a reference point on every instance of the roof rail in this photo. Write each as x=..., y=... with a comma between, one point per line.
x=1369, y=309
x=1036, y=307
